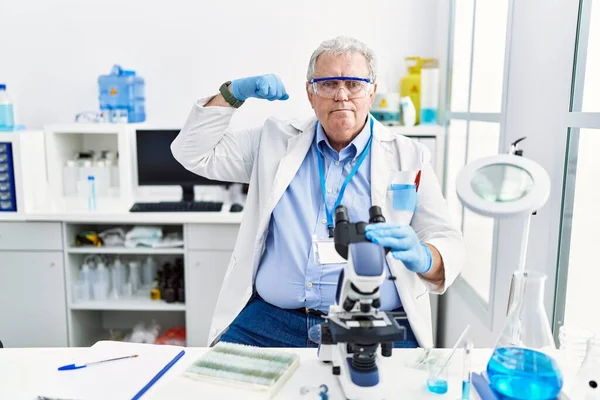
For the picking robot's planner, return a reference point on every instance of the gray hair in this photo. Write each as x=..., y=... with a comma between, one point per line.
x=342, y=45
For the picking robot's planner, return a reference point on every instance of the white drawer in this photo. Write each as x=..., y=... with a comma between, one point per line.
x=30, y=236
x=211, y=236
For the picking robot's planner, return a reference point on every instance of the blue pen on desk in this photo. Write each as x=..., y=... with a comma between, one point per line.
x=79, y=366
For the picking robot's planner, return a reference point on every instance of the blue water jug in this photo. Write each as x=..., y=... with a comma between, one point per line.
x=123, y=90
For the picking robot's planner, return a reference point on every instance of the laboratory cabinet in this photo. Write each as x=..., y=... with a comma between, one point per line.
x=205, y=254
x=209, y=251
x=212, y=236
x=40, y=264
x=205, y=274
x=32, y=299
x=30, y=236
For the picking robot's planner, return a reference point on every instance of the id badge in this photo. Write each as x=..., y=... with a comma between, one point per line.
x=324, y=251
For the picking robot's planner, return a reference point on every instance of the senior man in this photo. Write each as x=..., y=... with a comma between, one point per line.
x=276, y=288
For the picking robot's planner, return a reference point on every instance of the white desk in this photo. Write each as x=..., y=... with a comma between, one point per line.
x=23, y=370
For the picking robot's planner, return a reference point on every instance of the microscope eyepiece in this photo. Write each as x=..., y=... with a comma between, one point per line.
x=341, y=214
x=375, y=215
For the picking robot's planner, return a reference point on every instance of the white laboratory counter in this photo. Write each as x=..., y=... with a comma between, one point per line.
x=125, y=217
x=118, y=212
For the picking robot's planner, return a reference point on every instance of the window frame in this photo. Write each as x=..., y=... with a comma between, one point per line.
x=575, y=120
x=482, y=308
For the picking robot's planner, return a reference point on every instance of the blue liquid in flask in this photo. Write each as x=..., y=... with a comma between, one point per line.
x=524, y=374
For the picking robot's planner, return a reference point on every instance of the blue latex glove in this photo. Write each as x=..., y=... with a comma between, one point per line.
x=404, y=243
x=267, y=87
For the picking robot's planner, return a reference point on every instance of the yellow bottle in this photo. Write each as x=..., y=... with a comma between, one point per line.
x=410, y=84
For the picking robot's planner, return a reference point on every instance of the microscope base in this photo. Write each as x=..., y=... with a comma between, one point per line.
x=356, y=385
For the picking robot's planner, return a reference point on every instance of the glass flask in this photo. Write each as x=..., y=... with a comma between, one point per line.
x=521, y=366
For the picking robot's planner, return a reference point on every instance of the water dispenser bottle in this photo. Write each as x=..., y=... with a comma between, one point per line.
x=122, y=93
x=7, y=122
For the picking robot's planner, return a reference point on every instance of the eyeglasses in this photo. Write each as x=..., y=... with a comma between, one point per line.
x=329, y=87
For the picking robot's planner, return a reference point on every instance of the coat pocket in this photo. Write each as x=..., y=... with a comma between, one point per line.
x=403, y=197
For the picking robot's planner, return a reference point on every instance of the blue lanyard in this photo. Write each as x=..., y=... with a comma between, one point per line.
x=359, y=162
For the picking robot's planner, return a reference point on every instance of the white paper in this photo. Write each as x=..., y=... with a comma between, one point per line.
x=120, y=379
x=327, y=253
x=403, y=177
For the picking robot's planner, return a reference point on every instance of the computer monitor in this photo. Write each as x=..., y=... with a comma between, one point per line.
x=156, y=165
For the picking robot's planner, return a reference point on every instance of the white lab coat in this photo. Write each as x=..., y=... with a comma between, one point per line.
x=268, y=157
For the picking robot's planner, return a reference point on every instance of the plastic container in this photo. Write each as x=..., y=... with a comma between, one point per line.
x=149, y=272
x=82, y=288
x=85, y=169
x=112, y=163
x=102, y=273
x=100, y=290
x=121, y=271
x=410, y=84
x=81, y=291
x=134, y=277
x=122, y=91
x=101, y=174
x=115, y=283
x=70, y=178
x=430, y=91
x=7, y=121
x=409, y=112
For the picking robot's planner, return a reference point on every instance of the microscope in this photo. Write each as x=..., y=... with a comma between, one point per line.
x=355, y=326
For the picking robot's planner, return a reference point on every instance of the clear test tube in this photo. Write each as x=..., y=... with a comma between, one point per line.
x=466, y=382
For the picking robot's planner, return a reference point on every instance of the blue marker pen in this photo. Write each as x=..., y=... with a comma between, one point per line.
x=466, y=383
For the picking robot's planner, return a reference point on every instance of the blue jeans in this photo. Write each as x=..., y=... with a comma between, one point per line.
x=265, y=325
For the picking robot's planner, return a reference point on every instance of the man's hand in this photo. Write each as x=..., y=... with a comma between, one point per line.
x=267, y=87
x=404, y=244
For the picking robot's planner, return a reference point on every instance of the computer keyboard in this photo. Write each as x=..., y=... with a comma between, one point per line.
x=178, y=206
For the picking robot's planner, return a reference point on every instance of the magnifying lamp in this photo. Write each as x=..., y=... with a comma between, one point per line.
x=505, y=186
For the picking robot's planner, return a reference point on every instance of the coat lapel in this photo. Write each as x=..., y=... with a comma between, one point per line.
x=382, y=162
x=297, y=148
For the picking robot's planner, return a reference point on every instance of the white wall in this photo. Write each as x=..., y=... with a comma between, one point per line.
x=583, y=276
x=54, y=51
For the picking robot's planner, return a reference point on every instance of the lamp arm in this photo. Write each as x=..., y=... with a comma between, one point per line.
x=514, y=147
x=524, y=243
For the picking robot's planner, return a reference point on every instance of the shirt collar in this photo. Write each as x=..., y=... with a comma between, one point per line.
x=353, y=150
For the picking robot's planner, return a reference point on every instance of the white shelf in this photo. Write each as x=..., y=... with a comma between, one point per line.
x=123, y=250
x=135, y=304
x=418, y=130
x=83, y=128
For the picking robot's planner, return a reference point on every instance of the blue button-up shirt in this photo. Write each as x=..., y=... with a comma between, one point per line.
x=290, y=275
